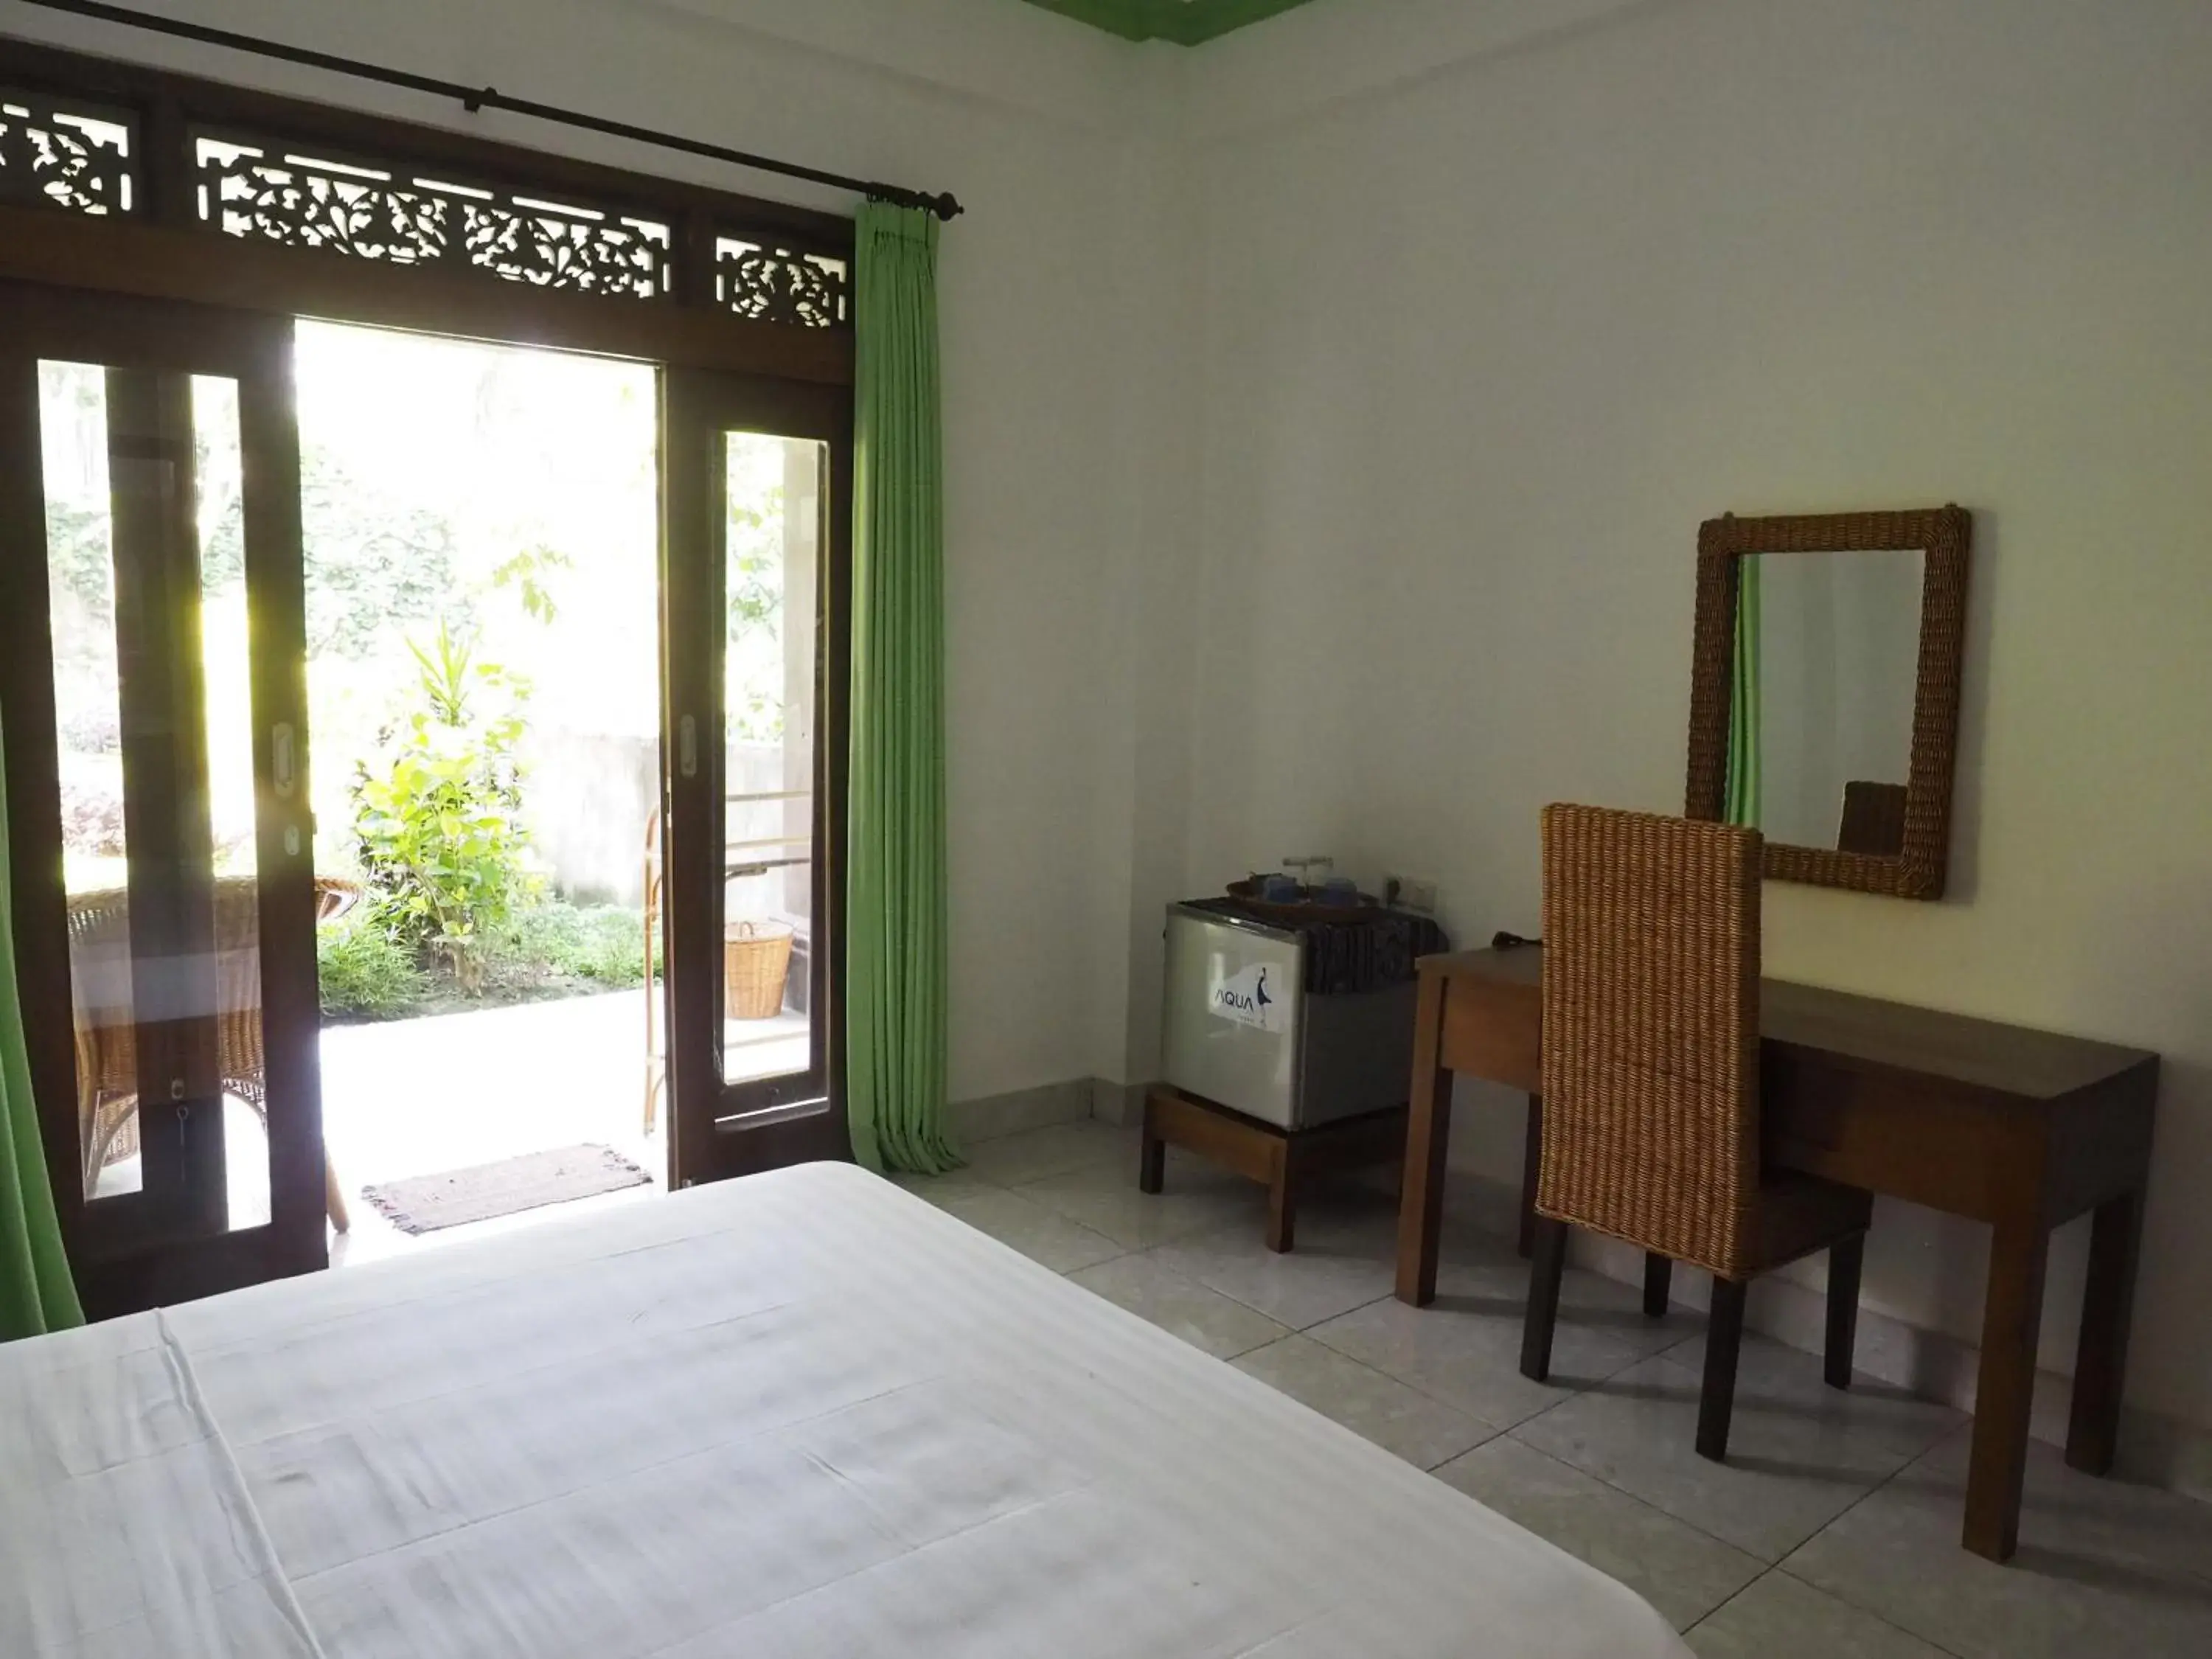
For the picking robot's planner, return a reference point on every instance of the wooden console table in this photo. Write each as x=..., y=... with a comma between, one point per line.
x=2021, y=1128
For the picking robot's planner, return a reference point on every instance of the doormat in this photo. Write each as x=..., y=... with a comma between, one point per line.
x=422, y=1204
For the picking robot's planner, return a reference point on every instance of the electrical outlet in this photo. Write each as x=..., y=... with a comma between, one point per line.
x=1411, y=893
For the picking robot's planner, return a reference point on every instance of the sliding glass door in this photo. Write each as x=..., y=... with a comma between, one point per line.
x=756, y=552
x=152, y=702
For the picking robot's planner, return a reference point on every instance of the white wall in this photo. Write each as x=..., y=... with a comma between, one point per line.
x=1330, y=412
x=1491, y=324
x=1031, y=122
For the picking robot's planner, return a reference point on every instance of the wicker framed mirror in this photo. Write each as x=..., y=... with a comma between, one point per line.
x=1824, y=691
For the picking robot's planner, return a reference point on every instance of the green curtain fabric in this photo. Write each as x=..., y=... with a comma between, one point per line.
x=1743, y=700
x=36, y=1292
x=894, y=949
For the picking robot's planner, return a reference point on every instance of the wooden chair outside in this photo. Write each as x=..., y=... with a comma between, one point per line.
x=107, y=1051
x=1650, y=1083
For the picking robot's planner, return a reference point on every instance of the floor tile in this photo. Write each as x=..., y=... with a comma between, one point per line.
x=2104, y=1567
x=1395, y=1417
x=1043, y=1236
x=931, y=1186
x=1205, y=1319
x=1799, y=1454
x=1104, y=1197
x=1465, y=1348
x=1053, y=1149
x=1679, y=1569
x=1775, y=1373
x=1303, y=1287
x=1780, y=1615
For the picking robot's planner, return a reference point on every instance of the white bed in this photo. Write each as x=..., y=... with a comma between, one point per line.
x=803, y=1414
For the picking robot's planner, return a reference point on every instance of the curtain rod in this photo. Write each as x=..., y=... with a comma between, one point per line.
x=946, y=206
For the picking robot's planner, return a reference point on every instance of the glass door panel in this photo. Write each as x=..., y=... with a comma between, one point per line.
x=755, y=554
x=771, y=536
x=154, y=753
x=102, y=453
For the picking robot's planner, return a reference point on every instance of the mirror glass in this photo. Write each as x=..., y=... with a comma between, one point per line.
x=1827, y=667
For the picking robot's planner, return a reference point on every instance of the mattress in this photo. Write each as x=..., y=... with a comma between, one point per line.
x=802, y=1413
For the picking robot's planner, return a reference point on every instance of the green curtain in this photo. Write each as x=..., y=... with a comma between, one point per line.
x=1743, y=700
x=894, y=949
x=36, y=1292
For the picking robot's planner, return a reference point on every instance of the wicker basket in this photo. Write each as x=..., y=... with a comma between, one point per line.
x=756, y=957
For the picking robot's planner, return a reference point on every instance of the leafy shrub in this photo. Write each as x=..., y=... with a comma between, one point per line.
x=439, y=834
x=603, y=943
x=366, y=973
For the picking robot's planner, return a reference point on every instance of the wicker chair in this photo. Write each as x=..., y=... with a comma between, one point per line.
x=1650, y=1073
x=107, y=1050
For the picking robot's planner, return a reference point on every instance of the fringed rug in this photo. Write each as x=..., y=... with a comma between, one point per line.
x=422, y=1204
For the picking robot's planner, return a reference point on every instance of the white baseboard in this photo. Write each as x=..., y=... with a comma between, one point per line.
x=993, y=1115
x=1121, y=1104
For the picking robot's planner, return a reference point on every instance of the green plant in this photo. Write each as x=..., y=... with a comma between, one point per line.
x=440, y=834
x=366, y=973
x=525, y=572
x=755, y=537
x=603, y=943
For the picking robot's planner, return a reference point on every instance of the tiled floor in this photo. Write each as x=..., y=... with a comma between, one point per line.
x=1831, y=1533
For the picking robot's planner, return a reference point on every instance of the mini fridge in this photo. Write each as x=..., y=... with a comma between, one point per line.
x=1242, y=1030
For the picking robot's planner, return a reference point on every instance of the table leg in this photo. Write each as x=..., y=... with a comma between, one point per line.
x=1428, y=1132
x=2100, y=1362
x=1282, y=1200
x=2018, y=1251
x=1152, y=1158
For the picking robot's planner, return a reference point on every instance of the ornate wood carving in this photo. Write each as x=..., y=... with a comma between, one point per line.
x=776, y=283
x=75, y=157
x=308, y=201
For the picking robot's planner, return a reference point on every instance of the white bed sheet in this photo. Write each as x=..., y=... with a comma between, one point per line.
x=803, y=1414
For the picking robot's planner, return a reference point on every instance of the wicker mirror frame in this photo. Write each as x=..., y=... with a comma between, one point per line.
x=1943, y=535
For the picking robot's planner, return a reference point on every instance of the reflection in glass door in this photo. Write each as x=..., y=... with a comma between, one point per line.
x=162, y=452
x=772, y=535
x=154, y=753
x=754, y=562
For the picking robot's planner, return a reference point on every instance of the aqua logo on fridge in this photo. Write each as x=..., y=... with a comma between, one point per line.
x=1245, y=997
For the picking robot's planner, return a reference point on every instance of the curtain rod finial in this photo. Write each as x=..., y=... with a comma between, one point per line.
x=946, y=206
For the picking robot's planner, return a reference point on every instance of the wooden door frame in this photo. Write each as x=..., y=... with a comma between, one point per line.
x=125, y=1253
x=163, y=249
x=698, y=410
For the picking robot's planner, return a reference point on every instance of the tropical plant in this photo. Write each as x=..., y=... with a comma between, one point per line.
x=440, y=834
x=603, y=943
x=367, y=973
x=374, y=557
x=525, y=572
x=755, y=537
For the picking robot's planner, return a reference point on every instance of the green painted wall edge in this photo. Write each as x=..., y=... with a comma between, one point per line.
x=1185, y=25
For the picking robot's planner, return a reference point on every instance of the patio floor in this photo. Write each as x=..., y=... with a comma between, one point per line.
x=417, y=1096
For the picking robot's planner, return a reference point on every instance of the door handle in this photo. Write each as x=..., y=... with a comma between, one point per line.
x=284, y=770
x=687, y=746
